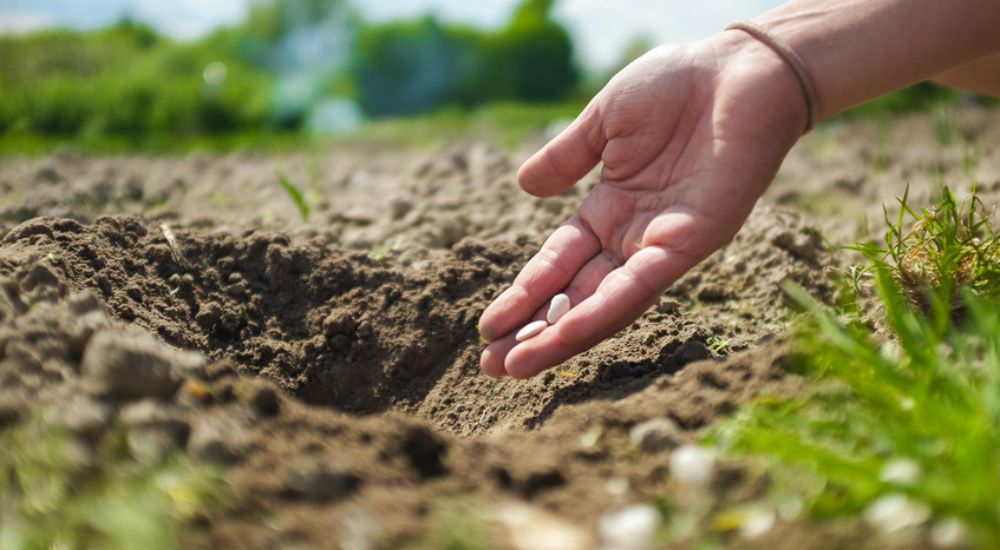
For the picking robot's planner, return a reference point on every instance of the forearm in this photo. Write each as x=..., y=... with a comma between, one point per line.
x=856, y=50
x=981, y=76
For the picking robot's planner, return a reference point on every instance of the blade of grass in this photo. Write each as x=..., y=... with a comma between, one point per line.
x=295, y=194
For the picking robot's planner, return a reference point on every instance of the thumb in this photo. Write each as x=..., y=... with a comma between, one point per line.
x=565, y=159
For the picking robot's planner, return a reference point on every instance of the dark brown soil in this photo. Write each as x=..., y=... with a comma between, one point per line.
x=364, y=319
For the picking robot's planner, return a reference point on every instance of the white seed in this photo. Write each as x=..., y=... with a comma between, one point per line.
x=530, y=330
x=633, y=527
x=560, y=306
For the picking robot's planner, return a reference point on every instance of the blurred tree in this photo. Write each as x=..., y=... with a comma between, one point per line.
x=535, y=54
x=412, y=66
x=124, y=81
x=305, y=44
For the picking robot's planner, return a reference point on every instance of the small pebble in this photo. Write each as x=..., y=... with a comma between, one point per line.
x=319, y=482
x=895, y=512
x=950, y=532
x=617, y=486
x=135, y=365
x=530, y=330
x=560, y=306
x=900, y=471
x=218, y=439
x=693, y=466
x=530, y=528
x=757, y=523
x=655, y=435
x=790, y=509
x=633, y=527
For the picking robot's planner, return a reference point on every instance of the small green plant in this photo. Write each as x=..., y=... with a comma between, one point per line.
x=945, y=127
x=971, y=156
x=945, y=249
x=458, y=524
x=55, y=494
x=718, y=346
x=382, y=252
x=221, y=198
x=924, y=392
x=295, y=194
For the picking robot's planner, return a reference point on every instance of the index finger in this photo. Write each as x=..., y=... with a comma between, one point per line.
x=549, y=271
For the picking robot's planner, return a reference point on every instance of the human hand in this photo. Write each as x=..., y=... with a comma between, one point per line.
x=690, y=137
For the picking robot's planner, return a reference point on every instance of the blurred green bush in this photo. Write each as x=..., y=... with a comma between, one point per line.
x=414, y=66
x=267, y=76
x=125, y=81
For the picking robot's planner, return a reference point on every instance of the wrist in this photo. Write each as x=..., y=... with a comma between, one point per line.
x=857, y=50
x=762, y=71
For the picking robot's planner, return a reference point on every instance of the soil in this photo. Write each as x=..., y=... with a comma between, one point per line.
x=331, y=364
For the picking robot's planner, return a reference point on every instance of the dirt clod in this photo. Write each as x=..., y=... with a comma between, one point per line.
x=135, y=365
x=320, y=482
x=655, y=435
x=424, y=451
x=218, y=439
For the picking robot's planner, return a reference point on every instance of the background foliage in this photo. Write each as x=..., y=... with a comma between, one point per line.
x=293, y=67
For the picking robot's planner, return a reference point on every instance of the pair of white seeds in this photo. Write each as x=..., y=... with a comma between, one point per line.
x=557, y=308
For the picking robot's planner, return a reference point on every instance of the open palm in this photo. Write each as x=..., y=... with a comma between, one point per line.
x=689, y=138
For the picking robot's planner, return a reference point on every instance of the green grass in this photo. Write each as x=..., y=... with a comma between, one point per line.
x=296, y=195
x=923, y=389
x=507, y=124
x=459, y=524
x=49, y=500
x=945, y=249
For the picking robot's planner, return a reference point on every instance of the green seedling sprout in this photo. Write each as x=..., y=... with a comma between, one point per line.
x=295, y=194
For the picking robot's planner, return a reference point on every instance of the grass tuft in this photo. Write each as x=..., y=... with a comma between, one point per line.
x=924, y=392
x=459, y=524
x=54, y=493
x=945, y=250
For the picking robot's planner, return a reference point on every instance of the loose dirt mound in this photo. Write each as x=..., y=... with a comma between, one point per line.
x=364, y=319
x=340, y=329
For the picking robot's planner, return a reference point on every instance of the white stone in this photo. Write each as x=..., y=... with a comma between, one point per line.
x=530, y=330
x=655, y=435
x=692, y=465
x=617, y=486
x=530, y=528
x=591, y=438
x=631, y=528
x=901, y=471
x=560, y=306
x=949, y=533
x=757, y=523
x=790, y=509
x=895, y=512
